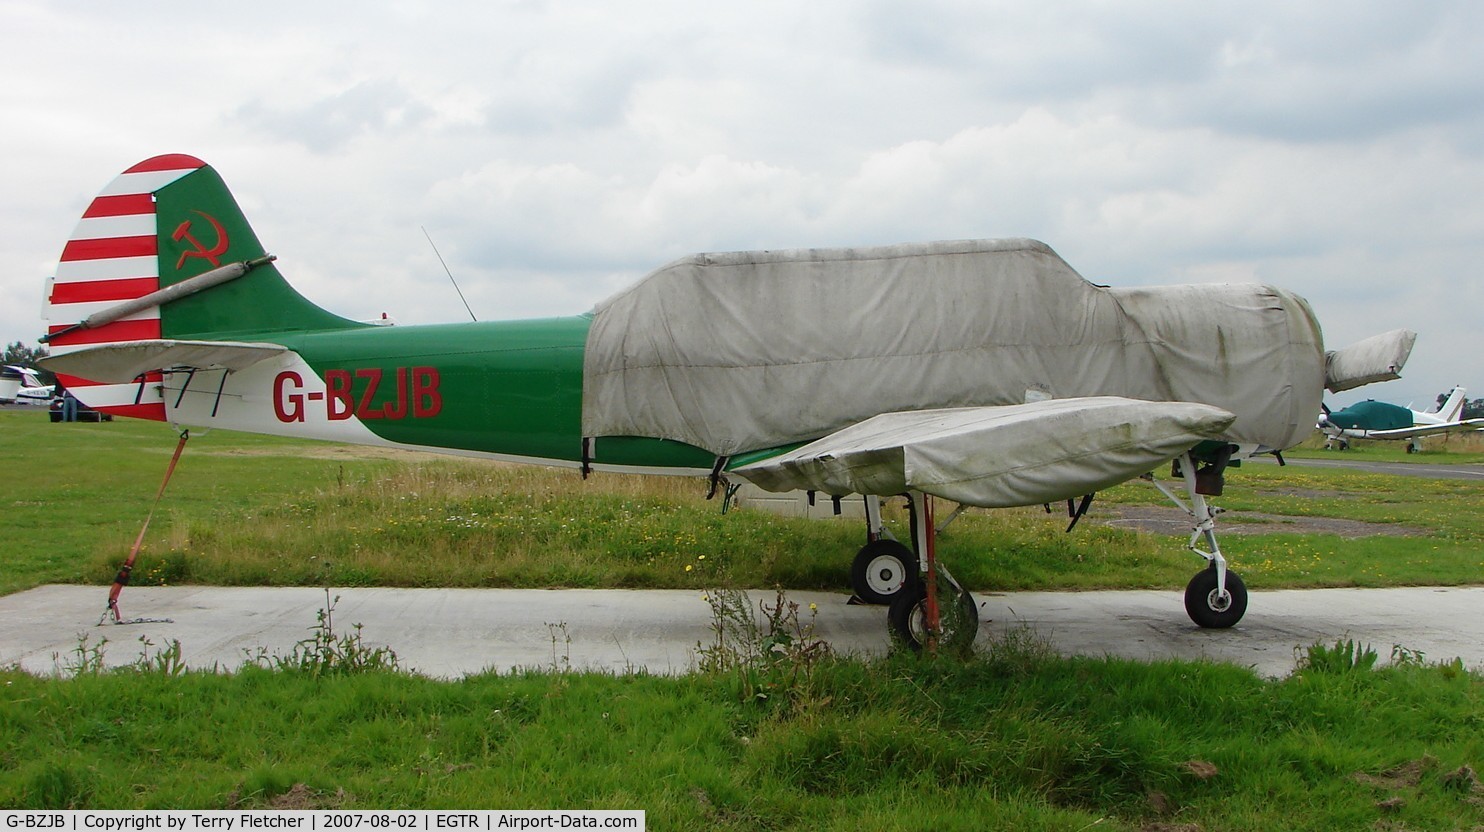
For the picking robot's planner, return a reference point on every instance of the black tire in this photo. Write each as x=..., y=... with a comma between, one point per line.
x=1205, y=609
x=881, y=570
x=958, y=618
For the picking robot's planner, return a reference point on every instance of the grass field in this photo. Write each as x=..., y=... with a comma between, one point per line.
x=1012, y=738
x=247, y=510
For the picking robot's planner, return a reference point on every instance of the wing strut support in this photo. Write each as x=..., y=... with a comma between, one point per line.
x=952, y=516
x=220, y=388
x=1079, y=510
x=190, y=376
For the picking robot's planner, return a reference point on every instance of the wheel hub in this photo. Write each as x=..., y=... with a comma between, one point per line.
x=1219, y=601
x=886, y=574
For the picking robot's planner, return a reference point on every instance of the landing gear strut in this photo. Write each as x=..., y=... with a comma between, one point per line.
x=1215, y=598
x=932, y=611
x=958, y=622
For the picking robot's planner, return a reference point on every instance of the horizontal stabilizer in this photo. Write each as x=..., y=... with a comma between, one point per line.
x=996, y=457
x=126, y=361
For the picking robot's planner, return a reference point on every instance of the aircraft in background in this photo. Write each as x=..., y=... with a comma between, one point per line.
x=1371, y=419
x=21, y=385
x=986, y=372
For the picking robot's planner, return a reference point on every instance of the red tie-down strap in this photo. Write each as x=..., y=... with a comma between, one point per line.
x=122, y=577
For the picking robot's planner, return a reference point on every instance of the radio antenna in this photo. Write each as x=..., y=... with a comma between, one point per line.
x=449, y=272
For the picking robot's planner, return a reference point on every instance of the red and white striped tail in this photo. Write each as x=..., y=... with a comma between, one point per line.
x=113, y=256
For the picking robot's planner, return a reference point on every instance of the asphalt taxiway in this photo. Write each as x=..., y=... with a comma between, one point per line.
x=451, y=633
x=1434, y=470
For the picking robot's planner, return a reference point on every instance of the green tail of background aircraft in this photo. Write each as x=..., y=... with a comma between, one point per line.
x=987, y=372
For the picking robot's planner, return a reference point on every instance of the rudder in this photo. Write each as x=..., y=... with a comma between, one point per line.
x=161, y=222
x=1451, y=410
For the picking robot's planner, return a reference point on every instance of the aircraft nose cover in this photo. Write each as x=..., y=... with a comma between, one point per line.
x=997, y=457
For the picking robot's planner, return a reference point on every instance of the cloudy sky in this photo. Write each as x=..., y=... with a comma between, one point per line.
x=557, y=151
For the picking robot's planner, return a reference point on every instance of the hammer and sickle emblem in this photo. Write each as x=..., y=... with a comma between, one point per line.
x=183, y=232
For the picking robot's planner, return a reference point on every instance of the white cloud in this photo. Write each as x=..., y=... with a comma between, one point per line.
x=557, y=150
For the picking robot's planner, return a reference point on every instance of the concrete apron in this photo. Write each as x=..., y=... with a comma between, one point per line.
x=450, y=633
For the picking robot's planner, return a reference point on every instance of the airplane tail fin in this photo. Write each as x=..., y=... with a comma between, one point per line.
x=1451, y=410
x=164, y=252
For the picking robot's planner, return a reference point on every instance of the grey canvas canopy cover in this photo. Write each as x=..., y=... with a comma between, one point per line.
x=756, y=350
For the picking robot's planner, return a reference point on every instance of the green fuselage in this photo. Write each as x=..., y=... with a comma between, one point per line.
x=507, y=388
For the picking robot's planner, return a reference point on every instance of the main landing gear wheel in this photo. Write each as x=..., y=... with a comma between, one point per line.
x=880, y=571
x=958, y=617
x=1209, y=608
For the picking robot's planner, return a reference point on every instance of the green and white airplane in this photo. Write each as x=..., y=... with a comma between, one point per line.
x=985, y=372
x=1371, y=419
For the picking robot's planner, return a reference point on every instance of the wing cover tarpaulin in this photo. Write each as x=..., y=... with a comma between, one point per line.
x=996, y=457
x=754, y=350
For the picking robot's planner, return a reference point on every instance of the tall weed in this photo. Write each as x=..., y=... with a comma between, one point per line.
x=1346, y=656
x=767, y=654
x=326, y=653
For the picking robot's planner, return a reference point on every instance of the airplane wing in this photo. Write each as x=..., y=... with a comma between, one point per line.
x=1415, y=431
x=126, y=361
x=996, y=457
